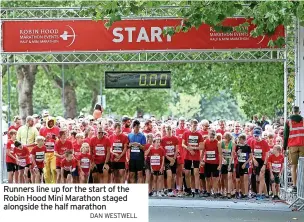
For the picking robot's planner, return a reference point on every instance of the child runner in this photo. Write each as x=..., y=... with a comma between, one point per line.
x=38, y=158
x=68, y=166
x=276, y=166
x=85, y=163
x=10, y=158
x=157, y=157
x=244, y=154
x=23, y=161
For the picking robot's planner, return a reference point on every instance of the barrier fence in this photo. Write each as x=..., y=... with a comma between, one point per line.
x=299, y=202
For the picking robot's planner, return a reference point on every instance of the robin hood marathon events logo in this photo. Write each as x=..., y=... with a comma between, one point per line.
x=48, y=36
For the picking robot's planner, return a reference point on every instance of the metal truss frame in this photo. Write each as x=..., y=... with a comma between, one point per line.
x=288, y=55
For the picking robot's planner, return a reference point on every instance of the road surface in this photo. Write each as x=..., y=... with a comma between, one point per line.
x=194, y=210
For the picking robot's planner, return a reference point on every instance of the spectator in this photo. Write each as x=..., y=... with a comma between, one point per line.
x=294, y=140
x=97, y=111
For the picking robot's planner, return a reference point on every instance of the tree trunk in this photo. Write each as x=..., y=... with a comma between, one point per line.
x=26, y=80
x=70, y=101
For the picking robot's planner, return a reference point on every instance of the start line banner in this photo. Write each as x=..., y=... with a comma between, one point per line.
x=126, y=35
x=77, y=202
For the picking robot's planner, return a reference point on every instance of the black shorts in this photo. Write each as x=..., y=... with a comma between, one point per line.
x=172, y=168
x=188, y=164
x=22, y=168
x=58, y=168
x=225, y=170
x=118, y=165
x=276, y=179
x=98, y=168
x=66, y=173
x=202, y=176
x=239, y=171
x=157, y=173
x=259, y=167
x=75, y=173
x=136, y=165
x=211, y=169
x=11, y=167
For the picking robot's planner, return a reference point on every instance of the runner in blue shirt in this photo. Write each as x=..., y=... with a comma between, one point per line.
x=137, y=144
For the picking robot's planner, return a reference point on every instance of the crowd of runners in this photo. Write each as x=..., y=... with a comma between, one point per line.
x=176, y=157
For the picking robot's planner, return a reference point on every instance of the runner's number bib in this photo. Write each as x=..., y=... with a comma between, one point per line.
x=155, y=160
x=117, y=147
x=39, y=156
x=258, y=153
x=85, y=163
x=100, y=150
x=169, y=150
x=276, y=167
x=193, y=140
x=210, y=155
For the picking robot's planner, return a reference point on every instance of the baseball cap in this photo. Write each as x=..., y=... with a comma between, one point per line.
x=35, y=116
x=125, y=119
x=257, y=131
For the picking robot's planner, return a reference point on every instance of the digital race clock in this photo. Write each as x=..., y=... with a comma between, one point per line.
x=138, y=79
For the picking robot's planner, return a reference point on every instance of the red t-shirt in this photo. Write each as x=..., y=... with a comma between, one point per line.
x=117, y=145
x=211, y=152
x=110, y=132
x=169, y=144
x=38, y=154
x=23, y=156
x=147, y=146
x=12, y=127
x=99, y=149
x=276, y=162
x=47, y=132
x=156, y=158
x=221, y=131
x=61, y=148
x=204, y=132
x=85, y=162
x=259, y=149
x=68, y=165
x=87, y=140
x=10, y=149
x=192, y=139
x=77, y=149
x=126, y=131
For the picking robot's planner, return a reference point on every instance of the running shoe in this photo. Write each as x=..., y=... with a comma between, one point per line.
x=171, y=194
x=206, y=194
x=154, y=194
x=159, y=194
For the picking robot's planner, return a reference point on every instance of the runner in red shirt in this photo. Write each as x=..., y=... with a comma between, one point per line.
x=77, y=151
x=22, y=155
x=212, y=160
x=38, y=158
x=85, y=163
x=260, y=151
x=11, y=165
x=204, y=131
x=222, y=128
x=119, y=146
x=100, y=149
x=16, y=126
x=68, y=166
x=276, y=166
x=170, y=143
x=180, y=155
x=148, y=127
x=61, y=146
x=193, y=144
x=157, y=166
x=126, y=125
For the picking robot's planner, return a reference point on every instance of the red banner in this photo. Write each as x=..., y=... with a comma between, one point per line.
x=87, y=35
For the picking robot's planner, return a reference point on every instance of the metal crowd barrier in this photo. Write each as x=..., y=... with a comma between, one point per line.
x=299, y=202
